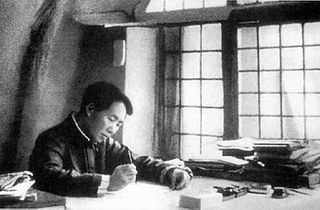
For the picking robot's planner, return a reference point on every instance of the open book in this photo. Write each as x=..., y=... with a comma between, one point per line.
x=15, y=185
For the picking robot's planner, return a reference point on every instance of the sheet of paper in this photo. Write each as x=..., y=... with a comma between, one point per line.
x=140, y=196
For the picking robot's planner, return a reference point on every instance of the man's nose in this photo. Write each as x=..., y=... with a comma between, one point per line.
x=112, y=129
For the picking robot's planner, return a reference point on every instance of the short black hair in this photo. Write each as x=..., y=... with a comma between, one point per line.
x=102, y=94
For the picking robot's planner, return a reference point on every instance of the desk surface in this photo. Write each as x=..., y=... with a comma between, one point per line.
x=145, y=195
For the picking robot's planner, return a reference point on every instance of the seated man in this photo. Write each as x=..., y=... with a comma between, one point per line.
x=79, y=157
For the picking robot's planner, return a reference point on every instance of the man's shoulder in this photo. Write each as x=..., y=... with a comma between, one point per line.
x=59, y=131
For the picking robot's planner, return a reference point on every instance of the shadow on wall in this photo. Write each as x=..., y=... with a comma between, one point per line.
x=51, y=71
x=47, y=70
x=16, y=20
x=30, y=71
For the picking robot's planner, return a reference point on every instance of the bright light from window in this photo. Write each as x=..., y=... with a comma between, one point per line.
x=174, y=5
x=155, y=6
x=278, y=91
x=194, y=86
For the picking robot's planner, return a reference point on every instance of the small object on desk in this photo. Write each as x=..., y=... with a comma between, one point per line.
x=231, y=192
x=200, y=200
x=299, y=192
x=240, y=191
x=279, y=192
x=259, y=188
x=31, y=197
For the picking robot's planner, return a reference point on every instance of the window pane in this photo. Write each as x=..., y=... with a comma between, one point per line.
x=312, y=57
x=292, y=81
x=312, y=81
x=172, y=37
x=248, y=81
x=248, y=104
x=249, y=127
x=211, y=65
x=190, y=120
x=212, y=93
x=313, y=125
x=191, y=38
x=209, y=147
x=270, y=81
x=212, y=121
x=190, y=93
x=270, y=127
x=190, y=65
x=172, y=92
x=190, y=4
x=247, y=59
x=172, y=120
x=269, y=59
x=247, y=37
x=292, y=104
x=211, y=36
x=173, y=5
x=291, y=34
x=270, y=104
x=155, y=6
x=269, y=36
x=312, y=33
x=215, y=3
x=172, y=66
x=293, y=127
x=312, y=104
x=190, y=146
x=292, y=58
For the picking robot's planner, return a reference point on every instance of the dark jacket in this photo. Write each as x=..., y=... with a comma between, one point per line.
x=64, y=162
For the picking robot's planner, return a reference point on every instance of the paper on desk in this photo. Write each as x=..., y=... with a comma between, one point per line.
x=141, y=188
x=140, y=196
x=245, y=144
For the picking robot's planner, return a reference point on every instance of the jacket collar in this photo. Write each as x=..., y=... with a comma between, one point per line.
x=78, y=127
x=74, y=130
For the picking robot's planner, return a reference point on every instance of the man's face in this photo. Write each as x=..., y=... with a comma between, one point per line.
x=103, y=124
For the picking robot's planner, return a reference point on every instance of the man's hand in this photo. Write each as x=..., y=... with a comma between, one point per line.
x=179, y=179
x=122, y=176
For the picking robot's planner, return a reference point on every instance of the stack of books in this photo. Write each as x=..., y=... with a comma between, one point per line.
x=223, y=167
x=285, y=162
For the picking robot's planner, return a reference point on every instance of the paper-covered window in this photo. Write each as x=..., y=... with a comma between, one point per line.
x=278, y=66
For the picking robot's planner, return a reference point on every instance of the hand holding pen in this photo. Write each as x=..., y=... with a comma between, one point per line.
x=123, y=175
x=131, y=161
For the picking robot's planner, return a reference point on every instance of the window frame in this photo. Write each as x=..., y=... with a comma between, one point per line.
x=264, y=14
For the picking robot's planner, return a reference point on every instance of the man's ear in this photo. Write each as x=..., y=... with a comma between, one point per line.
x=90, y=109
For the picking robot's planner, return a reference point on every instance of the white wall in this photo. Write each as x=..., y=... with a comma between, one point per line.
x=138, y=131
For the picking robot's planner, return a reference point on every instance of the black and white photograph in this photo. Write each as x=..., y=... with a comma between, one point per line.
x=160, y=104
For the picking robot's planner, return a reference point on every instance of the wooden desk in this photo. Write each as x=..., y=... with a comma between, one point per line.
x=44, y=201
x=151, y=196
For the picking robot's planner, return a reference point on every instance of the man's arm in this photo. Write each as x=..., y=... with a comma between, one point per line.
x=149, y=168
x=46, y=162
x=173, y=175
